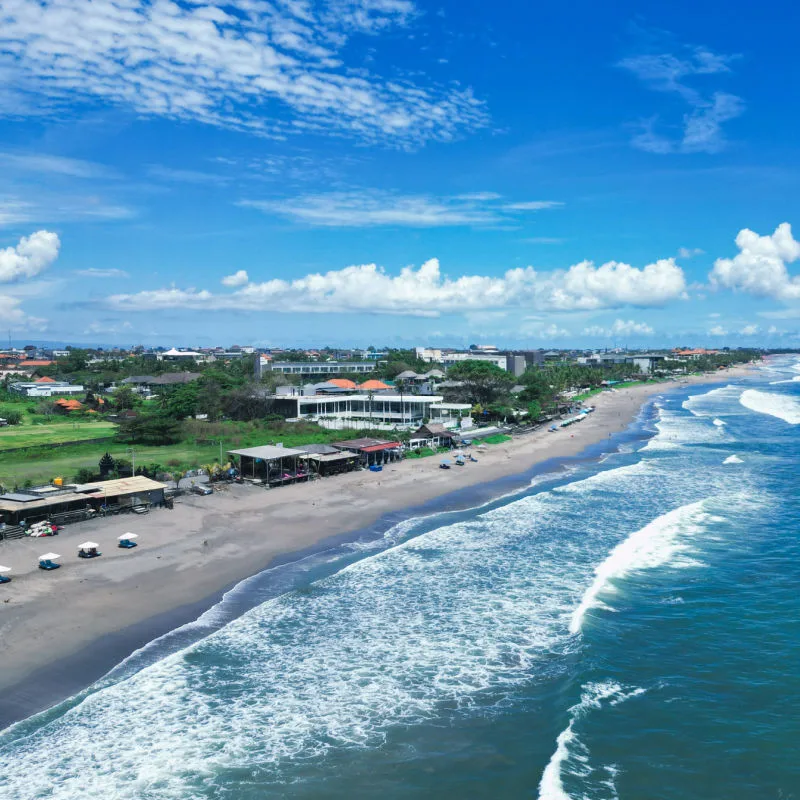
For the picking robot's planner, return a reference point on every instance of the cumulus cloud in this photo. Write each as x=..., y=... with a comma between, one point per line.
x=371, y=208
x=749, y=330
x=620, y=327
x=228, y=63
x=425, y=291
x=760, y=266
x=671, y=73
x=239, y=278
x=689, y=252
x=31, y=256
x=718, y=330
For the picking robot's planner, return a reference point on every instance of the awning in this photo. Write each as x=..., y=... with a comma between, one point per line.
x=49, y=557
x=88, y=545
x=126, y=536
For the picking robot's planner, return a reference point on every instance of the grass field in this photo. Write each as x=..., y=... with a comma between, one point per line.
x=32, y=434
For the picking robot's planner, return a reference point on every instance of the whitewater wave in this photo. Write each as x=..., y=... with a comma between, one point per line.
x=719, y=422
x=733, y=460
x=781, y=406
x=795, y=379
x=571, y=756
x=654, y=545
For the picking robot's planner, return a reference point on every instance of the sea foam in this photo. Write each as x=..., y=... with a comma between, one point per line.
x=781, y=406
x=654, y=545
x=733, y=460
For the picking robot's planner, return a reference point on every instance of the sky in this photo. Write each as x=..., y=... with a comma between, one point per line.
x=399, y=172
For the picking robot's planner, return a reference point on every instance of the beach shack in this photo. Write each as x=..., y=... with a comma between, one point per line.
x=270, y=464
x=123, y=494
x=325, y=460
x=371, y=452
x=432, y=435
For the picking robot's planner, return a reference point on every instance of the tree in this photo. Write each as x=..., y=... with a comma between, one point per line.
x=106, y=465
x=246, y=404
x=13, y=416
x=209, y=398
x=483, y=381
x=124, y=398
x=149, y=429
x=180, y=401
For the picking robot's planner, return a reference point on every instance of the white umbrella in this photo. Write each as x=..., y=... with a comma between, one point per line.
x=4, y=569
x=87, y=545
x=49, y=557
x=126, y=536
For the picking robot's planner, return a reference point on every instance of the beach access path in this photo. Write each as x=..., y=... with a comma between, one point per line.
x=208, y=543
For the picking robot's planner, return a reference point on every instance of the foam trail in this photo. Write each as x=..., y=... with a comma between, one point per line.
x=733, y=460
x=551, y=785
x=796, y=379
x=775, y=405
x=719, y=422
x=651, y=546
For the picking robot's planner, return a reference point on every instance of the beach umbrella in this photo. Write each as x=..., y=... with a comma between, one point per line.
x=4, y=570
x=87, y=545
x=49, y=557
x=127, y=536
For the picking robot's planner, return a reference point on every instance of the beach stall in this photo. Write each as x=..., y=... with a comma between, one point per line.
x=325, y=460
x=371, y=452
x=126, y=540
x=88, y=550
x=49, y=561
x=271, y=464
x=4, y=574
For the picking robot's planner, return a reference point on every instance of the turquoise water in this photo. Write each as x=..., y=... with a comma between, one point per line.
x=628, y=629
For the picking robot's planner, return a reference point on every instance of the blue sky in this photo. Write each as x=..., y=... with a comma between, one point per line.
x=391, y=171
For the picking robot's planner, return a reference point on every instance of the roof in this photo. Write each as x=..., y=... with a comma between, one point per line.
x=40, y=502
x=406, y=375
x=170, y=378
x=35, y=363
x=326, y=457
x=434, y=429
x=45, y=380
x=342, y=383
x=137, y=483
x=136, y=379
x=318, y=449
x=373, y=384
x=366, y=445
x=69, y=405
x=266, y=452
x=185, y=353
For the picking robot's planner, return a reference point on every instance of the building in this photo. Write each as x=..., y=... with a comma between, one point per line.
x=646, y=363
x=432, y=435
x=448, y=359
x=429, y=354
x=379, y=410
x=371, y=452
x=316, y=368
x=45, y=387
x=273, y=465
x=79, y=501
x=182, y=355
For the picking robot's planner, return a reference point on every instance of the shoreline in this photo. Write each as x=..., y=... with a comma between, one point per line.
x=63, y=631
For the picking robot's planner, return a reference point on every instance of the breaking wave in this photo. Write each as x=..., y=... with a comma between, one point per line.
x=775, y=405
x=733, y=460
x=571, y=756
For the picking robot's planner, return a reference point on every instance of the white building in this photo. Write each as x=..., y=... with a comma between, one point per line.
x=429, y=354
x=320, y=367
x=48, y=388
x=393, y=410
x=182, y=355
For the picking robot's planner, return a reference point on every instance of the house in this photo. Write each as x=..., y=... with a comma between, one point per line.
x=371, y=452
x=646, y=363
x=319, y=368
x=373, y=386
x=68, y=405
x=432, y=435
x=45, y=387
x=182, y=355
x=326, y=460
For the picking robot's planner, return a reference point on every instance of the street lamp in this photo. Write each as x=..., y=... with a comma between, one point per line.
x=133, y=460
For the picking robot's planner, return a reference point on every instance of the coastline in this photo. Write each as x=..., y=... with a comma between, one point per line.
x=61, y=631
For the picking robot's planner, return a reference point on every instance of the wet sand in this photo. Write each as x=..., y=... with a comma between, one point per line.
x=186, y=558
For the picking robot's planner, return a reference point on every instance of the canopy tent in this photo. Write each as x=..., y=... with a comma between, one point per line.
x=49, y=557
x=128, y=536
x=4, y=569
x=88, y=546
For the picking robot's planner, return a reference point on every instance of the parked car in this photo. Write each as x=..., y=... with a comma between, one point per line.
x=201, y=489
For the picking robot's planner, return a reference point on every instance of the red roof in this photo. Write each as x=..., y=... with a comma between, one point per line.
x=45, y=380
x=342, y=383
x=373, y=384
x=24, y=364
x=374, y=448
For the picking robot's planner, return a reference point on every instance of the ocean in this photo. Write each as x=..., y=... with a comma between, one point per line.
x=627, y=627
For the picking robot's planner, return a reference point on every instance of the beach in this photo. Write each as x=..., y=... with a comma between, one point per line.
x=187, y=556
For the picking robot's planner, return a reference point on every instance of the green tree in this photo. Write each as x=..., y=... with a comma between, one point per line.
x=149, y=429
x=180, y=401
x=106, y=465
x=124, y=398
x=483, y=381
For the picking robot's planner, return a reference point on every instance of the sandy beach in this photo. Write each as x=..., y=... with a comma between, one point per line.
x=190, y=554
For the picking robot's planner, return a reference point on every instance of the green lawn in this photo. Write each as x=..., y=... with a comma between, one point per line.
x=498, y=438
x=32, y=434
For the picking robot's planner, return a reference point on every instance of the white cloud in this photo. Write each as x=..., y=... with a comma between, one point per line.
x=689, y=252
x=749, y=330
x=773, y=330
x=760, y=266
x=533, y=205
x=95, y=272
x=227, y=64
x=239, y=278
x=54, y=165
x=427, y=292
x=620, y=327
x=702, y=127
x=718, y=330
x=552, y=331
x=370, y=208
x=109, y=328
x=31, y=256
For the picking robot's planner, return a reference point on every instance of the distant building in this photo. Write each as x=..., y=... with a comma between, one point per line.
x=429, y=354
x=45, y=387
x=316, y=368
x=448, y=359
x=182, y=355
